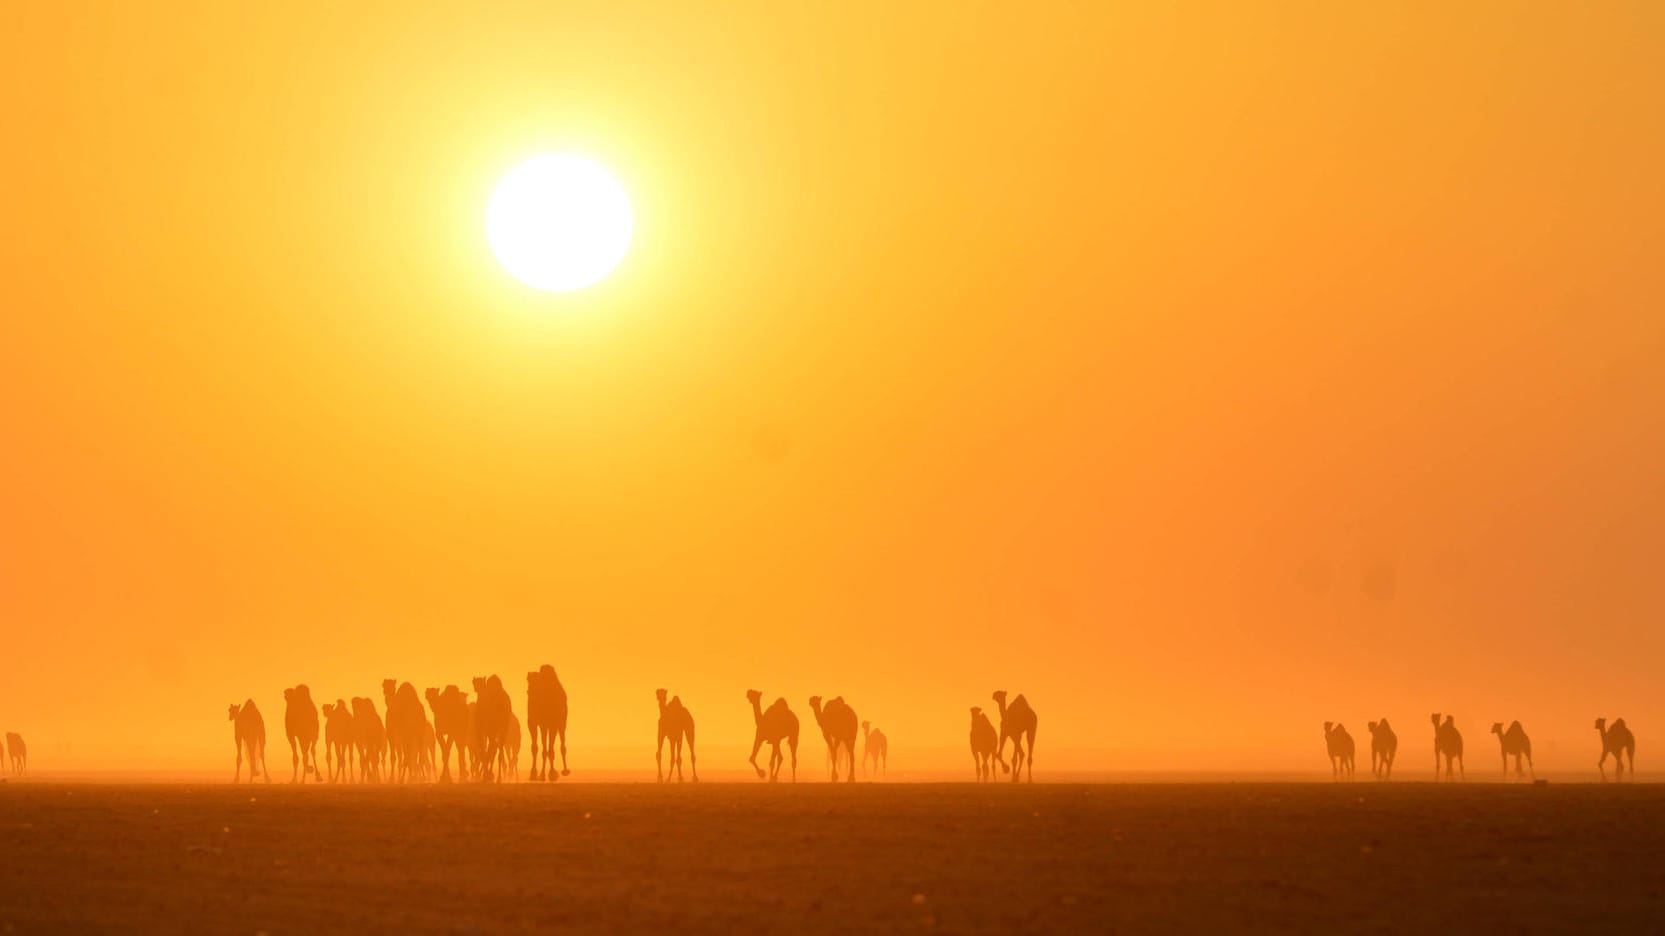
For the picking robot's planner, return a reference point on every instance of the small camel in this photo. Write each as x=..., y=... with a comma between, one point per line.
x=300, y=726
x=1384, y=747
x=875, y=747
x=546, y=721
x=248, y=734
x=338, y=741
x=982, y=745
x=450, y=710
x=1339, y=744
x=1448, y=743
x=773, y=726
x=370, y=737
x=676, y=725
x=838, y=727
x=1016, y=722
x=1619, y=742
x=1514, y=742
x=19, y=753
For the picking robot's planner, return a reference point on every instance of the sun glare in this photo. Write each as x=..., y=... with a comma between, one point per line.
x=559, y=222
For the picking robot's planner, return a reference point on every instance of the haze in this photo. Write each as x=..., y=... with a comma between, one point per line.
x=1202, y=374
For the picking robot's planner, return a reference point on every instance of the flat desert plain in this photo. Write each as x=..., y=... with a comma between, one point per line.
x=814, y=857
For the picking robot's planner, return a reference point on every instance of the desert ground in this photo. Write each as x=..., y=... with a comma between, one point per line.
x=813, y=857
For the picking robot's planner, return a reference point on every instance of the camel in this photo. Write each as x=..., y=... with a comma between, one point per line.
x=429, y=744
x=1339, y=744
x=508, y=757
x=774, y=726
x=1514, y=742
x=338, y=741
x=450, y=710
x=405, y=719
x=370, y=737
x=248, y=735
x=492, y=714
x=876, y=747
x=1384, y=747
x=1617, y=741
x=1448, y=743
x=1016, y=722
x=300, y=725
x=546, y=719
x=838, y=727
x=982, y=745
x=676, y=724
x=19, y=753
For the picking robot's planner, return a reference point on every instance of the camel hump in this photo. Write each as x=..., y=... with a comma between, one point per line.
x=1618, y=723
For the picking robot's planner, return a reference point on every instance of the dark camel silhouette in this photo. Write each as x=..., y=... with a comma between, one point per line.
x=774, y=726
x=875, y=747
x=338, y=741
x=492, y=715
x=450, y=710
x=982, y=745
x=1448, y=743
x=546, y=718
x=248, y=736
x=508, y=757
x=19, y=753
x=838, y=727
x=1016, y=721
x=300, y=726
x=1514, y=742
x=676, y=725
x=1384, y=747
x=430, y=748
x=1339, y=744
x=1619, y=742
x=370, y=737
x=405, y=719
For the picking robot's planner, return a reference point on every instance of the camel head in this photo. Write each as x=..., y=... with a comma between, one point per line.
x=1328, y=726
x=1497, y=728
x=479, y=684
x=753, y=696
x=1435, y=718
x=1000, y=697
x=815, y=706
x=388, y=688
x=1601, y=725
x=431, y=694
x=329, y=709
x=288, y=695
x=866, y=728
x=660, y=694
x=1371, y=726
x=233, y=715
x=975, y=711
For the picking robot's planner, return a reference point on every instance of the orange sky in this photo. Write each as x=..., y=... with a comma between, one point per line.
x=1203, y=374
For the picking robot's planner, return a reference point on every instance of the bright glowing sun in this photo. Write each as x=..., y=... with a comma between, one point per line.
x=559, y=222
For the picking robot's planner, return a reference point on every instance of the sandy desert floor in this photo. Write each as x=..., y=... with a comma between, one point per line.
x=727, y=858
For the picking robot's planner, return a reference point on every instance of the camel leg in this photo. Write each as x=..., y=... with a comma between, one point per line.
x=757, y=745
x=565, y=770
x=263, y=770
x=237, y=775
x=693, y=759
x=1461, y=773
x=1030, y=758
x=659, y=756
x=294, y=760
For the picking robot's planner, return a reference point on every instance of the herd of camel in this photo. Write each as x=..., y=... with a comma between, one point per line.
x=19, y=753
x=359, y=745
x=1448, y=744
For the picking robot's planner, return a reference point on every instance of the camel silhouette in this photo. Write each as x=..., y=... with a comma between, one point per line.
x=676, y=724
x=19, y=753
x=430, y=743
x=982, y=745
x=838, y=727
x=405, y=720
x=1339, y=744
x=300, y=726
x=492, y=715
x=370, y=737
x=1448, y=743
x=338, y=741
x=1617, y=741
x=1384, y=747
x=248, y=736
x=508, y=759
x=774, y=726
x=876, y=747
x=1016, y=721
x=546, y=718
x=1514, y=742
x=450, y=710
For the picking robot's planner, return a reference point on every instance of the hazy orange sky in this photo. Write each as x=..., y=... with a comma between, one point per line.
x=1203, y=372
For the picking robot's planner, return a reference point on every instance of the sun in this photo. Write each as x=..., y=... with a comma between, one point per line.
x=559, y=222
